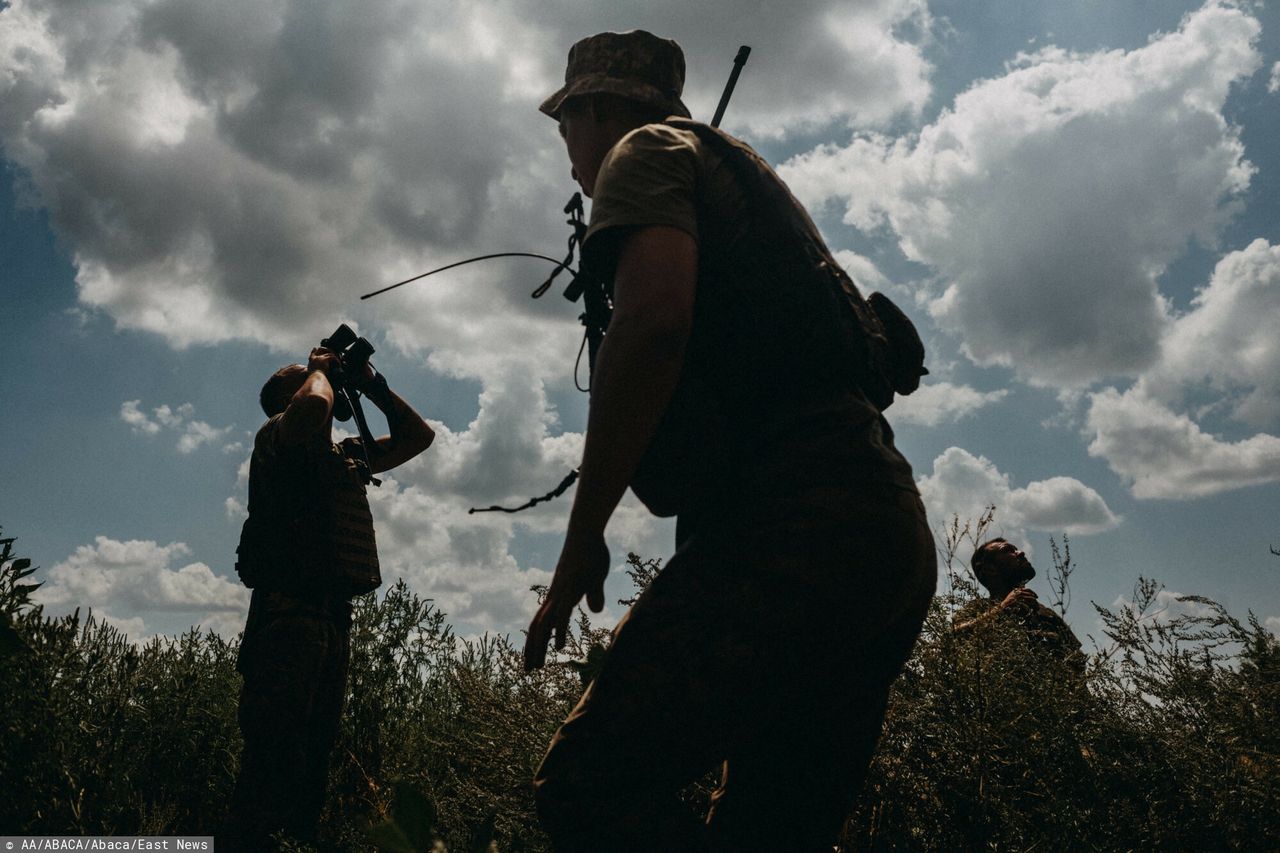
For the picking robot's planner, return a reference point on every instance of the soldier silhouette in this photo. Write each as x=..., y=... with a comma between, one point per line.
x=736, y=390
x=306, y=549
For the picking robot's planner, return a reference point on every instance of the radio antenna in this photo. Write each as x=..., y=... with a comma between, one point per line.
x=738, y=61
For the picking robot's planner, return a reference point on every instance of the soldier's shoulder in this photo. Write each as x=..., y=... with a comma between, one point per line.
x=1048, y=614
x=268, y=435
x=271, y=424
x=657, y=140
x=269, y=445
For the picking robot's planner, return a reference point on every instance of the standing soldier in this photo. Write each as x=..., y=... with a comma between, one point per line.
x=307, y=548
x=1003, y=569
x=734, y=389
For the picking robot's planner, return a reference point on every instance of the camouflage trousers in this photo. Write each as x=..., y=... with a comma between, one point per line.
x=766, y=645
x=294, y=659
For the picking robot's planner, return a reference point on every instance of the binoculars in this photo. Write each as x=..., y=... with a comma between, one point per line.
x=353, y=354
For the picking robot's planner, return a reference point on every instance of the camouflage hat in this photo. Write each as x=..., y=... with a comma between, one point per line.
x=636, y=65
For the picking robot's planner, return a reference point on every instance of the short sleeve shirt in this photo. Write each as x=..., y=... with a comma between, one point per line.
x=658, y=175
x=648, y=178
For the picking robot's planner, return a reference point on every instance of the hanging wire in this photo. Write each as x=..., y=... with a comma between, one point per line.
x=573, y=292
x=551, y=495
x=560, y=266
x=577, y=366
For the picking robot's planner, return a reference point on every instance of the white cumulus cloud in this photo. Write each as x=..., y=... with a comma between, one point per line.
x=137, y=585
x=833, y=61
x=245, y=169
x=963, y=484
x=1223, y=348
x=1229, y=340
x=192, y=433
x=1050, y=199
x=941, y=402
x=1164, y=454
x=136, y=418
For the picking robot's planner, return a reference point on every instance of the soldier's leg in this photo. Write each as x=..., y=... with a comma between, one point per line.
x=793, y=787
x=280, y=677
x=870, y=581
x=324, y=724
x=741, y=620
x=640, y=733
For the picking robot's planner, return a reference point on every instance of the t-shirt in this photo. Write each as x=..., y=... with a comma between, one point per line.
x=748, y=350
x=657, y=175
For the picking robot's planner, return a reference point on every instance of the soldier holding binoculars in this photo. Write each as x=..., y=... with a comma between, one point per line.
x=306, y=549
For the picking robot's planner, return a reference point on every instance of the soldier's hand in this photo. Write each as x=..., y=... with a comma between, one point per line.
x=581, y=570
x=322, y=359
x=1020, y=595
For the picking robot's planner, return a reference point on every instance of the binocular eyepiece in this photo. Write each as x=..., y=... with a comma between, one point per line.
x=353, y=354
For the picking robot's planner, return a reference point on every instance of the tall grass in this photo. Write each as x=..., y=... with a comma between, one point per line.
x=1169, y=740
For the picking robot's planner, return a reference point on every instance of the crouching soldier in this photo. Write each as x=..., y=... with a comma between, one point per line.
x=306, y=549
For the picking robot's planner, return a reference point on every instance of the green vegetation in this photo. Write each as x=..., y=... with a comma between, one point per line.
x=1171, y=739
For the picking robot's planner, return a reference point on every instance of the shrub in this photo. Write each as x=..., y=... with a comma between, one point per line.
x=1170, y=738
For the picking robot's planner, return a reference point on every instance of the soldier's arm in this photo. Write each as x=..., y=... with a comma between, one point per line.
x=976, y=622
x=410, y=434
x=637, y=367
x=1018, y=594
x=636, y=372
x=309, y=408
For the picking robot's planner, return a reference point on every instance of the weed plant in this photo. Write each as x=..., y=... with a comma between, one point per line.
x=1170, y=739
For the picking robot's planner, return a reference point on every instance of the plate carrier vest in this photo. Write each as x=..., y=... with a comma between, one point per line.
x=781, y=327
x=309, y=530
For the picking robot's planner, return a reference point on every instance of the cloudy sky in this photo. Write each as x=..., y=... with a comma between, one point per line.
x=1077, y=202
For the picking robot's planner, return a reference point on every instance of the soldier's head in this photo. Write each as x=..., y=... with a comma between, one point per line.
x=280, y=388
x=614, y=83
x=999, y=565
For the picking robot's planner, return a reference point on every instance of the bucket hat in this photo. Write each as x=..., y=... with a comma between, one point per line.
x=636, y=65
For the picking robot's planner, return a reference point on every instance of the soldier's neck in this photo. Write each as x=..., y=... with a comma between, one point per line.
x=998, y=592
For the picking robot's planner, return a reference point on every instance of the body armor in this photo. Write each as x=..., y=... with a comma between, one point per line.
x=818, y=332
x=309, y=530
x=779, y=329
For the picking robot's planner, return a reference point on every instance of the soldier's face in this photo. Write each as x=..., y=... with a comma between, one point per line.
x=1006, y=560
x=586, y=139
